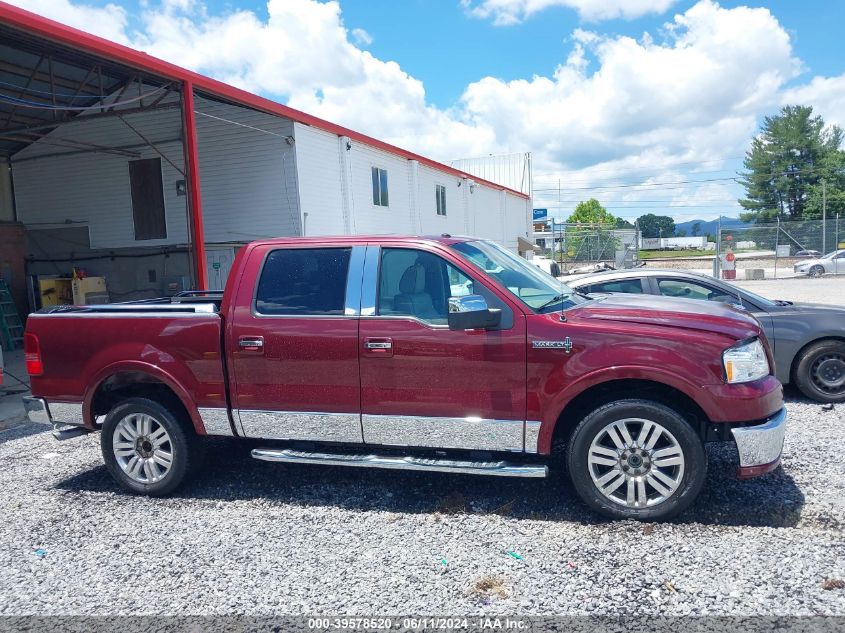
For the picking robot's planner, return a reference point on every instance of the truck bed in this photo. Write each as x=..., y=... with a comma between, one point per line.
x=173, y=340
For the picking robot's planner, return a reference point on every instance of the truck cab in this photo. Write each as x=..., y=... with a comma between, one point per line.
x=443, y=353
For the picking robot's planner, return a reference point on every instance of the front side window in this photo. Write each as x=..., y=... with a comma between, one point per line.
x=440, y=195
x=303, y=281
x=538, y=290
x=379, y=187
x=418, y=284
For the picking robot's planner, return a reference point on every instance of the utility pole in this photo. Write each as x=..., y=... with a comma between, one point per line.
x=824, y=218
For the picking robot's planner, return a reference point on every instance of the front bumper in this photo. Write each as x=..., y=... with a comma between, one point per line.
x=65, y=418
x=760, y=446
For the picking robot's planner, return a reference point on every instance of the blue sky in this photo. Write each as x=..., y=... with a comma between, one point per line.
x=647, y=105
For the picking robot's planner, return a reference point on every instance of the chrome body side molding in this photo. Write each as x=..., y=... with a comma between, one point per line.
x=532, y=436
x=469, y=433
x=216, y=421
x=500, y=468
x=301, y=425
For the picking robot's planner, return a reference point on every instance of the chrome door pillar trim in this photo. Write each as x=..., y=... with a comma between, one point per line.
x=301, y=425
x=216, y=421
x=353, y=281
x=468, y=433
x=369, y=284
x=532, y=436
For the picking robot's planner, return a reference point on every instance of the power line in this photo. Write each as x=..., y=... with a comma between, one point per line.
x=632, y=185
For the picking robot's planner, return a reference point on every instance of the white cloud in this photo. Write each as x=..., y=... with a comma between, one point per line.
x=109, y=21
x=689, y=97
x=509, y=12
x=825, y=94
x=362, y=38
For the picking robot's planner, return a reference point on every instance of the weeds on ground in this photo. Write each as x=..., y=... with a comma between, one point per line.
x=487, y=587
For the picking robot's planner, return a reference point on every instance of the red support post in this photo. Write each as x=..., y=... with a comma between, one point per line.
x=192, y=172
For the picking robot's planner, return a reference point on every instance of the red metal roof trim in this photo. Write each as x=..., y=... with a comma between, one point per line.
x=35, y=24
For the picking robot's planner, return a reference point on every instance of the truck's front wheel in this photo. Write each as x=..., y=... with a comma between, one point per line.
x=636, y=459
x=146, y=448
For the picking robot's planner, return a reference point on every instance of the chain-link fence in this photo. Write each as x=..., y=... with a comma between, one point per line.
x=581, y=245
x=782, y=249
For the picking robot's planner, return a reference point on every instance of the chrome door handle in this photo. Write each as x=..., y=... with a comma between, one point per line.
x=251, y=343
x=379, y=345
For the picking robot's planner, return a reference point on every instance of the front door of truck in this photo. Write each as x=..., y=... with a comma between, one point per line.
x=294, y=344
x=423, y=384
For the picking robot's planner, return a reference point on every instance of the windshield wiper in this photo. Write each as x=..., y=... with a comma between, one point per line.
x=555, y=299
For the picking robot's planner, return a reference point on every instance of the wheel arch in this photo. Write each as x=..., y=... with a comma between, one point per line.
x=601, y=393
x=137, y=379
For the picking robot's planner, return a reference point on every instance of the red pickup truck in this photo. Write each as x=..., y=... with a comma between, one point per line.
x=441, y=354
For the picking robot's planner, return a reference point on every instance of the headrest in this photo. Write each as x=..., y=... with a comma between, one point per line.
x=413, y=280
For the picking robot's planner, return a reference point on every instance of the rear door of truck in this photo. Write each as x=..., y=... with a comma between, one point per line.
x=293, y=343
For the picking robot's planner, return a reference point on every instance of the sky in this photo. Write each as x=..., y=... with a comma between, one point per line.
x=646, y=105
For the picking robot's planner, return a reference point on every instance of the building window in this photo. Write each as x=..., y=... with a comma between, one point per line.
x=303, y=282
x=147, y=189
x=440, y=194
x=379, y=187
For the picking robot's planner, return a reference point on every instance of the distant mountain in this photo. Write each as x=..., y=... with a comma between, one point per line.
x=709, y=226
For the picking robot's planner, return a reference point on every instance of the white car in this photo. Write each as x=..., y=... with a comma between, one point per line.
x=831, y=263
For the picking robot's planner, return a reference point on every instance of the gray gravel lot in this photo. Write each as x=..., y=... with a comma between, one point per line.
x=249, y=537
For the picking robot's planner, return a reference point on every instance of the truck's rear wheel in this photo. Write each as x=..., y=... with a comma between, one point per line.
x=636, y=459
x=146, y=447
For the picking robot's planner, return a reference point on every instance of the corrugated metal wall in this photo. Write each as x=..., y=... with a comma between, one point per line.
x=247, y=170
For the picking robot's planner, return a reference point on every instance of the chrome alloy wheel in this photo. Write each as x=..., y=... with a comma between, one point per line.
x=828, y=373
x=636, y=463
x=142, y=448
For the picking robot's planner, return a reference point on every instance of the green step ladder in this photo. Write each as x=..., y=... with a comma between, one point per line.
x=11, y=326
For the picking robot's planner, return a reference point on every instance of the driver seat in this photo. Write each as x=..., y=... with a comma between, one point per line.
x=412, y=298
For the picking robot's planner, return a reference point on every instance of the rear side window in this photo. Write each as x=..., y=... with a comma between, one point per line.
x=633, y=286
x=303, y=281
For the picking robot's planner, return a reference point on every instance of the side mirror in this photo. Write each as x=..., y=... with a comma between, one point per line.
x=471, y=313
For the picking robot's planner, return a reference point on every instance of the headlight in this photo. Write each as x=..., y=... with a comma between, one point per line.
x=745, y=362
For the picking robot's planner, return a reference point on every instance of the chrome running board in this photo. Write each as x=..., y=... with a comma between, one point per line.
x=68, y=431
x=466, y=467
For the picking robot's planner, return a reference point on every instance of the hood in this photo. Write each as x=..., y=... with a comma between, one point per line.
x=690, y=314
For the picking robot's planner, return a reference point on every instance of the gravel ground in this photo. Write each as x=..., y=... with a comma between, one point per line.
x=248, y=537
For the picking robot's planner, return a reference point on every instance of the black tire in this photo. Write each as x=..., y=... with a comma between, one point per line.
x=820, y=371
x=816, y=271
x=678, y=435
x=181, y=444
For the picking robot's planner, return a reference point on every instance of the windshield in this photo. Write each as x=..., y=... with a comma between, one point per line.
x=536, y=289
x=831, y=255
